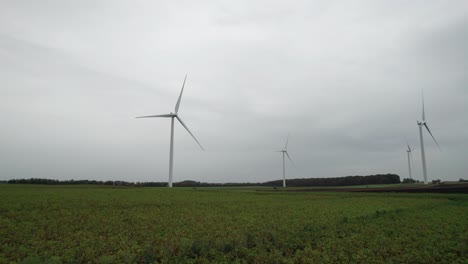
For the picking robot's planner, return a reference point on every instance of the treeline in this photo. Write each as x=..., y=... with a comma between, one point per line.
x=206, y=184
x=93, y=182
x=125, y=183
x=338, y=181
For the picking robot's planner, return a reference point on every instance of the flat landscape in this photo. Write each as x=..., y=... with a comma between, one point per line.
x=102, y=224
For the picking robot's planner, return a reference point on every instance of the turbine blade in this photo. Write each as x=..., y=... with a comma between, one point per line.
x=167, y=115
x=428, y=130
x=183, y=124
x=287, y=154
x=287, y=140
x=180, y=96
x=423, y=114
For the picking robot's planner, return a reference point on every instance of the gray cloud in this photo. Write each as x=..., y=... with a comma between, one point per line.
x=344, y=79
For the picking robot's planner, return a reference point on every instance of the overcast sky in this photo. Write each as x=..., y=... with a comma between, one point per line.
x=344, y=78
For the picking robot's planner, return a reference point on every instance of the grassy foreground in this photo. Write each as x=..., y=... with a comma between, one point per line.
x=79, y=224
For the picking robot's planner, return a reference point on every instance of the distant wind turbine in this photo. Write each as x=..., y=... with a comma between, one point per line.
x=285, y=152
x=410, y=157
x=422, y=124
x=172, y=116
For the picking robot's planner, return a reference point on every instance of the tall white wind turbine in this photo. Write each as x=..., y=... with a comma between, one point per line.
x=285, y=153
x=172, y=116
x=410, y=157
x=422, y=124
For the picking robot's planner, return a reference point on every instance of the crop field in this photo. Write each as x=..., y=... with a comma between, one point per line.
x=95, y=224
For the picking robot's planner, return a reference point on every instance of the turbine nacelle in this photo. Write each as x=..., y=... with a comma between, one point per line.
x=409, y=149
x=424, y=124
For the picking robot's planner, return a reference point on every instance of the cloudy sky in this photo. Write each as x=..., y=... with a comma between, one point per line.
x=344, y=78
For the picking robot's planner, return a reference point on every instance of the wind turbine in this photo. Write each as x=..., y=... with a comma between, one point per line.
x=422, y=124
x=285, y=152
x=408, y=152
x=172, y=116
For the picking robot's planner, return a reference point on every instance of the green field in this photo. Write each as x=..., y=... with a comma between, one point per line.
x=79, y=224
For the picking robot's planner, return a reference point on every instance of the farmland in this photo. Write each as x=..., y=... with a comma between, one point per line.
x=76, y=224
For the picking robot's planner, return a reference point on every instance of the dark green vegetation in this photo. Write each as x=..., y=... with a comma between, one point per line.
x=457, y=187
x=338, y=181
x=76, y=224
x=408, y=180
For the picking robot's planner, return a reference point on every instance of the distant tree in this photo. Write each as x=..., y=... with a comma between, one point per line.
x=408, y=180
x=187, y=184
x=438, y=181
x=462, y=180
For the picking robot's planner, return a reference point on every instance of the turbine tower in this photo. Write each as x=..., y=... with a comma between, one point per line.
x=285, y=153
x=422, y=124
x=408, y=152
x=172, y=116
